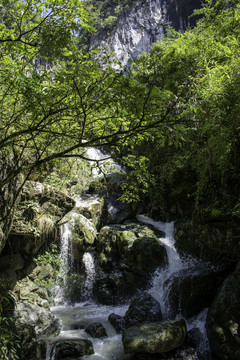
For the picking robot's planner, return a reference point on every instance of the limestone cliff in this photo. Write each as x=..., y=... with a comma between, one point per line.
x=139, y=24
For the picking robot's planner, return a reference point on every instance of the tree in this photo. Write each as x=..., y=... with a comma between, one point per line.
x=57, y=100
x=195, y=163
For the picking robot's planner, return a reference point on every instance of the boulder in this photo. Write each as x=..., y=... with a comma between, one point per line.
x=152, y=338
x=35, y=317
x=72, y=349
x=132, y=250
x=83, y=233
x=117, y=322
x=223, y=320
x=214, y=242
x=112, y=288
x=143, y=308
x=182, y=353
x=192, y=290
x=96, y=330
x=32, y=312
x=94, y=209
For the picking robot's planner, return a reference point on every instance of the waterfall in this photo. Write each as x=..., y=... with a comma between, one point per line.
x=103, y=164
x=163, y=277
x=88, y=261
x=66, y=249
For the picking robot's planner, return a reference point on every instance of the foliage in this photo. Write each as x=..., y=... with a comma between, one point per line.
x=9, y=340
x=50, y=257
x=194, y=155
x=56, y=100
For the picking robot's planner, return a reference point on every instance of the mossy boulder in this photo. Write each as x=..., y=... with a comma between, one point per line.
x=214, y=241
x=154, y=338
x=128, y=256
x=83, y=233
x=134, y=247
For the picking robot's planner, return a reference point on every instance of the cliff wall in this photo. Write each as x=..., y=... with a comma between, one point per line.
x=141, y=23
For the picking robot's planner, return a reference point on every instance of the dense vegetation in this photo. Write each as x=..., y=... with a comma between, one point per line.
x=193, y=156
x=173, y=120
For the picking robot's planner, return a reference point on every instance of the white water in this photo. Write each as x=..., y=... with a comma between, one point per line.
x=161, y=281
x=102, y=163
x=159, y=289
x=90, y=272
x=75, y=318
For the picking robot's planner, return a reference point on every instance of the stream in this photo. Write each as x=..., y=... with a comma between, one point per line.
x=76, y=317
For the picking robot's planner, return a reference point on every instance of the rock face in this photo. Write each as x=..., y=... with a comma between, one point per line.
x=39, y=210
x=141, y=23
x=223, y=321
x=154, y=338
x=33, y=316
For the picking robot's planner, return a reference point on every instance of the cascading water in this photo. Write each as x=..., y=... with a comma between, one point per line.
x=175, y=264
x=90, y=272
x=76, y=317
x=66, y=256
x=162, y=280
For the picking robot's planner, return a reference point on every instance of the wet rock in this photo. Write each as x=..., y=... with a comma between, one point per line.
x=176, y=354
x=213, y=242
x=73, y=349
x=192, y=290
x=117, y=322
x=143, y=308
x=152, y=338
x=112, y=288
x=223, y=320
x=96, y=330
x=83, y=233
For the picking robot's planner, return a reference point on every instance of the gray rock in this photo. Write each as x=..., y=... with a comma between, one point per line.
x=141, y=24
x=94, y=209
x=117, y=322
x=96, y=330
x=73, y=349
x=152, y=338
x=38, y=318
x=143, y=308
